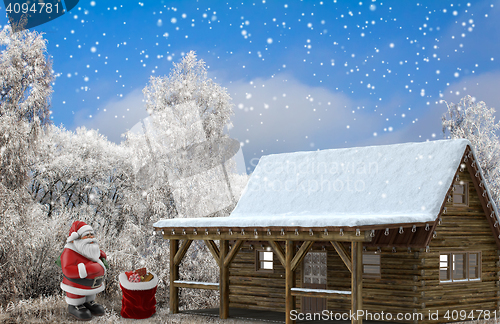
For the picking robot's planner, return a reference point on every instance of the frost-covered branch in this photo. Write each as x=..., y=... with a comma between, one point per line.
x=476, y=122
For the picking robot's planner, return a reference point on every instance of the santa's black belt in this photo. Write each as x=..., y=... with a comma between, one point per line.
x=92, y=283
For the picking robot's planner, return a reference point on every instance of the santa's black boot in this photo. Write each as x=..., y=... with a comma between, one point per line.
x=80, y=312
x=94, y=308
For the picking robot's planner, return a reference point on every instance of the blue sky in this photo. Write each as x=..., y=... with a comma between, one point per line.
x=303, y=75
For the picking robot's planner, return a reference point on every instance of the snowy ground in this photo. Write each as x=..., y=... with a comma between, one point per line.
x=53, y=310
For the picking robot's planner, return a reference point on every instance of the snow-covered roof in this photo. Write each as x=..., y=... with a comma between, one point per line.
x=388, y=184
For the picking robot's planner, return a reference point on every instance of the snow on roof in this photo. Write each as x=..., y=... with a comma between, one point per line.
x=388, y=184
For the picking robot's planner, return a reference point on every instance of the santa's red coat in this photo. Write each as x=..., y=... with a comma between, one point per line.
x=70, y=259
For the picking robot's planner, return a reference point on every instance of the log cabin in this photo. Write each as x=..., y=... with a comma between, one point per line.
x=409, y=230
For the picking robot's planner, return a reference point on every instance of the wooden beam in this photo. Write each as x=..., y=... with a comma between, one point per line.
x=182, y=252
x=431, y=232
x=410, y=237
x=376, y=240
x=322, y=293
x=174, y=275
x=213, y=249
x=279, y=251
x=378, y=234
x=223, y=281
x=262, y=235
x=234, y=250
x=344, y=255
x=382, y=227
x=357, y=281
x=392, y=236
x=289, y=281
x=195, y=285
x=301, y=253
x=273, y=231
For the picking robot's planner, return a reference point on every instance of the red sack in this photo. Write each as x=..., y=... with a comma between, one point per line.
x=139, y=298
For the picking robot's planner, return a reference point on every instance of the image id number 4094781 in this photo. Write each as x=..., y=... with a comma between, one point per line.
x=35, y=8
x=473, y=315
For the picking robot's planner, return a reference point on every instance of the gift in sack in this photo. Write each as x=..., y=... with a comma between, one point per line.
x=148, y=277
x=141, y=272
x=128, y=274
x=134, y=277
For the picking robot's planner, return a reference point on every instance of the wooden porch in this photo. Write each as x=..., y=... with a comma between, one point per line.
x=287, y=254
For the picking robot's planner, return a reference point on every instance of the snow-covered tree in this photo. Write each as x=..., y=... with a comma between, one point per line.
x=81, y=168
x=26, y=237
x=188, y=114
x=25, y=76
x=474, y=121
x=187, y=95
x=25, y=90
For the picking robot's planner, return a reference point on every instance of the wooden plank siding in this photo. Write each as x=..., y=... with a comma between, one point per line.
x=396, y=292
x=463, y=228
x=253, y=289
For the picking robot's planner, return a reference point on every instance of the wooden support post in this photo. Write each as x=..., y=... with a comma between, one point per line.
x=224, y=280
x=174, y=275
x=356, y=281
x=289, y=281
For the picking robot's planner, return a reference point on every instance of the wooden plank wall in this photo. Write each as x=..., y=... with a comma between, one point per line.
x=254, y=289
x=462, y=228
x=394, y=292
x=263, y=290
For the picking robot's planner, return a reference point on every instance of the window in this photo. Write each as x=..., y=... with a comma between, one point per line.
x=474, y=271
x=371, y=265
x=264, y=261
x=459, y=266
x=315, y=268
x=460, y=194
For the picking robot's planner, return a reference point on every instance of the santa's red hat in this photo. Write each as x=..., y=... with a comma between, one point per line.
x=78, y=229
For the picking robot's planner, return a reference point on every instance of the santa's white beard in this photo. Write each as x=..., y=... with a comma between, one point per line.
x=88, y=248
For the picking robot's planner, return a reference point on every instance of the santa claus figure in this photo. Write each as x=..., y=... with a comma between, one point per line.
x=83, y=272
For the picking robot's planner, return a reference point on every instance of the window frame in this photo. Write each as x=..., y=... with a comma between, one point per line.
x=449, y=267
x=325, y=254
x=372, y=275
x=258, y=260
x=465, y=194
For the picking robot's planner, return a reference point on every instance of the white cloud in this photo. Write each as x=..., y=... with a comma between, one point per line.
x=281, y=114
x=116, y=117
x=316, y=118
